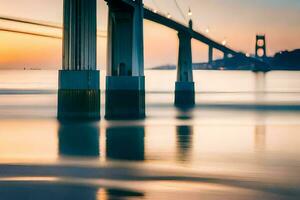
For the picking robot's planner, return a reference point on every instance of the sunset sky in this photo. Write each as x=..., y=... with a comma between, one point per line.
x=236, y=21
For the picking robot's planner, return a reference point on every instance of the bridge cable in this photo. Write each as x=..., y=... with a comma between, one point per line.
x=156, y=5
x=30, y=33
x=180, y=10
x=37, y=34
x=36, y=23
x=24, y=21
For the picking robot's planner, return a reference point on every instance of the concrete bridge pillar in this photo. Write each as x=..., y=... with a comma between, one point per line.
x=210, y=54
x=185, y=87
x=125, y=81
x=79, y=93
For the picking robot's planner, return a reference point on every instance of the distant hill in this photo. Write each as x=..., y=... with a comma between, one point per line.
x=164, y=67
x=285, y=60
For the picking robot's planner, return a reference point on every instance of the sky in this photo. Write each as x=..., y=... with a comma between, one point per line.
x=236, y=21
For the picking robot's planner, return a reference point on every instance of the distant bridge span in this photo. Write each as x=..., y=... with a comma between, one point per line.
x=160, y=19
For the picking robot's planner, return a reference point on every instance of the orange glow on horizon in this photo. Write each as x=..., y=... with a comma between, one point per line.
x=18, y=51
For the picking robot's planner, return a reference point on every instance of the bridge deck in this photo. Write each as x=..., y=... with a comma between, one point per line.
x=160, y=19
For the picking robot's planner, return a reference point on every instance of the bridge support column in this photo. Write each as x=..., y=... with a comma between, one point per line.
x=225, y=59
x=210, y=54
x=79, y=91
x=125, y=81
x=225, y=55
x=185, y=87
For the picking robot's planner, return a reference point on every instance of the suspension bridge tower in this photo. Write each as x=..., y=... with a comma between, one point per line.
x=260, y=47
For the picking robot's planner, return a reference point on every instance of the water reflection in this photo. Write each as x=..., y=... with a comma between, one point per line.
x=78, y=129
x=260, y=138
x=38, y=191
x=260, y=85
x=77, y=138
x=125, y=143
x=111, y=194
x=260, y=128
x=184, y=134
x=260, y=133
x=260, y=81
x=222, y=142
x=184, y=113
x=50, y=191
x=184, y=142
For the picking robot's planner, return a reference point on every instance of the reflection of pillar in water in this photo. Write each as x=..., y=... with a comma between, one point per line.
x=184, y=142
x=260, y=78
x=260, y=138
x=47, y=191
x=112, y=194
x=125, y=143
x=79, y=139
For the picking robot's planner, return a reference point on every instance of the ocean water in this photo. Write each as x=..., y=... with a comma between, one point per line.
x=241, y=141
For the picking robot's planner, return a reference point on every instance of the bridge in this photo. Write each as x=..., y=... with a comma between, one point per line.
x=79, y=90
x=171, y=23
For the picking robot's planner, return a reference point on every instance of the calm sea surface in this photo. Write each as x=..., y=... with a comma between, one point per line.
x=241, y=141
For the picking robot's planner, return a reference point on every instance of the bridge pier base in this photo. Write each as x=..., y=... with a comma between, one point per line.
x=185, y=86
x=79, y=95
x=184, y=94
x=125, y=97
x=79, y=91
x=125, y=82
